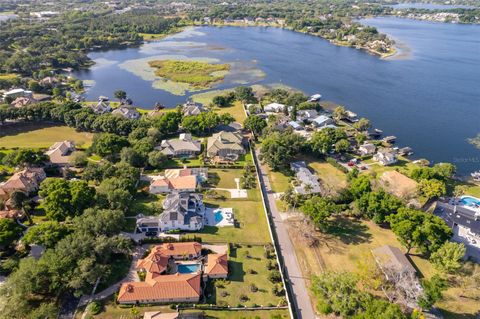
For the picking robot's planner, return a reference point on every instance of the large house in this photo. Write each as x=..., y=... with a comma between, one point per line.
x=192, y=108
x=22, y=101
x=181, y=211
x=306, y=115
x=226, y=145
x=127, y=111
x=101, y=107
x=177, y=184
x=184, y=146
x=15, y=93
x=165, y=282
x=274, y=108
x=308, y=182
x=367, y=149
x=26, y=181
x=385, y=157
x=322, y=121
x=59, y=153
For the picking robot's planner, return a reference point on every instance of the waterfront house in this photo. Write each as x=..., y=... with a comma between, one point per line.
x=308, y=182
x=306, y=115
x=226, y=145
x=296, y=126
x=23, y=101
x=385, y=157
x=181, y=211
x=191, y=108
x=184, y=146
x=59, y=153
x=49, y=81
x=367, y=149
x=322, y=121
x=15, y=93
x=274, y=108
x=101, y=107
x=127, y=111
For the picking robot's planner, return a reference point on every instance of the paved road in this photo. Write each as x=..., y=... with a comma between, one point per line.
x=300, y=298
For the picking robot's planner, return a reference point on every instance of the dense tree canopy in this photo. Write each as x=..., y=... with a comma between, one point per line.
x=278, y=149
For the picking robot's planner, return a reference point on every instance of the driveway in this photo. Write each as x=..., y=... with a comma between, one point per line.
x=300, y=297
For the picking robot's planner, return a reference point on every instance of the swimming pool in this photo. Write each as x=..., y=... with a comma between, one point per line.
x=187, y=269
x=218, y=216
x=470, y=201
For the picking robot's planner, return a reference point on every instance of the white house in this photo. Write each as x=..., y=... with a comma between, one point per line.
x=306, y=115
x=274, y=108
x=385, y=157
x=193, y=108
x=366, y=149
x=101, y=107
x=127, y=112
x=322, y=121
x=17, y=93
x=296, y=126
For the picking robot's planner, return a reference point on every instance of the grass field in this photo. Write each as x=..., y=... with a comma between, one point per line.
x=331, y=176
x=240, y=280
x=35, y=135
x=224, y=177
x=278, y=181
x=236, y=110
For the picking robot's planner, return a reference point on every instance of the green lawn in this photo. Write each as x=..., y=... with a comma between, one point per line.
x=236, y=110
x=224, y=177
x=240, y=280
x=36, y=135
x=278, y=181
x=474, y=191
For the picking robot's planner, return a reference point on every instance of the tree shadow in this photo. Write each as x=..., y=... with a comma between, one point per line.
x=209, y=230
x=349, y=231
x=236, y=271
x=213, y=179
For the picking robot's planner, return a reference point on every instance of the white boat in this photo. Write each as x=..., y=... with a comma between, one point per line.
x=315, y=98
x=476, y=176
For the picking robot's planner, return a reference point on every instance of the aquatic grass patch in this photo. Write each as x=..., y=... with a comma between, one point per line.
x=196, y=73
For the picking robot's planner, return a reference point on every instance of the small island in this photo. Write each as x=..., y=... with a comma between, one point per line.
x=200, y=75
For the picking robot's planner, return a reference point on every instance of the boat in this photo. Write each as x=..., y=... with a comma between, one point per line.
x=405, y=151
x=103, y=98
x=315, y=98
x=390, y=139
x=476, y=176
x=375, y=133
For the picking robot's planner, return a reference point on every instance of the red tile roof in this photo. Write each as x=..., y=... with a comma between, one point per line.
x=217, y=264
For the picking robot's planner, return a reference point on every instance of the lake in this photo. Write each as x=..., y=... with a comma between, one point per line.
x=429, y=98
x=428, y=6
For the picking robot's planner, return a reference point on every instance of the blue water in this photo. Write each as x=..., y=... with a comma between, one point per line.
x=187, y=269
x=428, y=6
x=429, y=99
x=218, y=216
x=470, y=201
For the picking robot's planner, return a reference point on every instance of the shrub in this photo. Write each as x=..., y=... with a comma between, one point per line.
x=94, y=307
x=253, y=288
x=243, y=298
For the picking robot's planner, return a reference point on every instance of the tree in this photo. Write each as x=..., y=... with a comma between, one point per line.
x=362, y=125
x=79, y=159
x=444, y=170
x=360, y=185
x=157, y=159
x=320, y=210
x=323, y=141
x=221, y=101
x=46, y=234
x=9, y=231
x=279, y=149
x=360, y=138
x=97, y=222
x=459, y=190
x=295, y=98
x=120, y=95
x=378, y=205
x=431, y=188
x=107, y=144
x=56, y=198
x=448, y=257
x=342, y=146
x=114, y=193
x=244, y=94
x=416, y=229
x=82, y=196
x=255, y=124
x=339, y=113
x=168, y=122
x=24, y=157
x=132, y=157
x=432, y=291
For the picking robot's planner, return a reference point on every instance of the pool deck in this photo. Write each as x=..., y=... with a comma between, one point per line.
x=470, y=206
x=210, y=217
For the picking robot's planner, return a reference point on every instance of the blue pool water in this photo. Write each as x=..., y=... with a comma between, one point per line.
x=470, y=201
x=187, y=269
x=218, y=216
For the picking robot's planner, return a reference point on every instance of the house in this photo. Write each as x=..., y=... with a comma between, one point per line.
x=226, y=145
x=184, y=146
x=181, y=211
x=12, y=214
x=193, y=108
x=27, y=181
x=59, y=153
x=465, y=223
x=322, y=121
x=101, y=107
x=127, y=111
x=162, y=289
x=367, y=149
x=164, y=282
x=13, y=94
x=309, y=183
x=217, y=266
x=48, y=81
x=172, y=315
x=178, y=184
x=274, y=108
x=200, y=172
x=296, y=126
x=385, y=157
x=306, y=115
x=22, y=101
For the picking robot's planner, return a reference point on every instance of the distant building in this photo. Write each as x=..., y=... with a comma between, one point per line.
x=296, y=126
x=322, y=121
x=184, y=146
x=15, y=93
x=309, y=183
x=385, y=157
x=274, y=108
x=193, y=108
x=27, y=181
x=306, y=115
x=226, y=145
x=127, y=112
x=367, y=149
x=23, y=101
